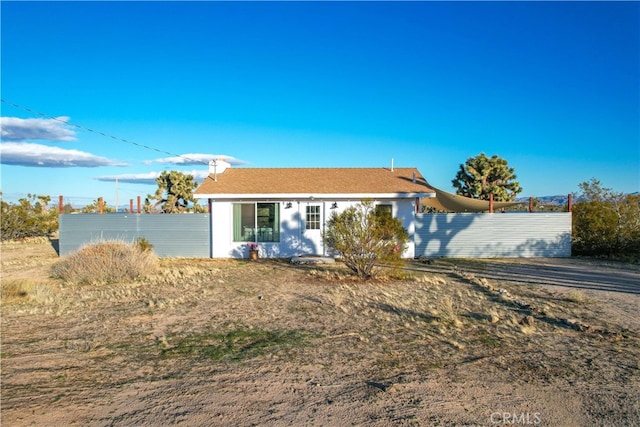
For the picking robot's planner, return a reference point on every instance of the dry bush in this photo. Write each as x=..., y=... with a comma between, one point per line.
x=106, y=262
x=578, y=297
x=180, y=274
x=17, y=291
x=331, y=274
x=447, y=311
x=431, y=279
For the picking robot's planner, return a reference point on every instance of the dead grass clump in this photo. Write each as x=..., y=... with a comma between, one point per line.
x=447, y=312
x=17, y=291
x=493, y=316
x=105, y=262
x=331, y=275
x=172, y=274
x=431, y=279
x=577, y=297
x=392, y=274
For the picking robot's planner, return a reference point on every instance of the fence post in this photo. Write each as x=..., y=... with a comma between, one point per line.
x=490, y=203
x=570, y=203
x=130, y=206
x=100, y=207
x=60, y=204
x=138, y=204
x=530, y=204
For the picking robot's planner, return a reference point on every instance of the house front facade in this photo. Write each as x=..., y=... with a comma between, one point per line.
x=284, y=211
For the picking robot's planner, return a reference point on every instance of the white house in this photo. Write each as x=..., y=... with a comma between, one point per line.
x=284, y=210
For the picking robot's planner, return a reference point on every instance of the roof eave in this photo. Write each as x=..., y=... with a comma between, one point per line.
x=312, y=196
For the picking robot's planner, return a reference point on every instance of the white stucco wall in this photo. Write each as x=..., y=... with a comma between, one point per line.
x=294, y=240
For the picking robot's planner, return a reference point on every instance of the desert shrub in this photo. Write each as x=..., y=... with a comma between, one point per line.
x=365, y=238
x=94, y=207
x=106, y=262
x=578, y=297
x=143, y=244
x=30, y=217
x=606, y=222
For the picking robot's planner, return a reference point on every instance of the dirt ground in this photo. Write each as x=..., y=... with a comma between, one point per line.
x=221, y=342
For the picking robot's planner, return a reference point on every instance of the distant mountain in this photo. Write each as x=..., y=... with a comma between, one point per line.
x=558, y=200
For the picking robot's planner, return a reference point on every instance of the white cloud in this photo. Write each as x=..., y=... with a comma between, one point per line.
x=16, y=129
x=38, y=155
x=133, y=178
x=197, y=159
x=148, y=177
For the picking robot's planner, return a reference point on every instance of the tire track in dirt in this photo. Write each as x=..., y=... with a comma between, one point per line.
x=560, y=272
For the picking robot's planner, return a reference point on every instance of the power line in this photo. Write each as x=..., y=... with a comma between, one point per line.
x=116, y=138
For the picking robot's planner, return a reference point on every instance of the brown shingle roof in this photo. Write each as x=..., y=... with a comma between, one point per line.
x=314, y=181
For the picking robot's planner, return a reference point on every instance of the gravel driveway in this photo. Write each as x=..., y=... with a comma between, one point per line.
x=570, y=272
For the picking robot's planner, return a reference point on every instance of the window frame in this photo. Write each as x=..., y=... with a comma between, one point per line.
x=259, y=230
x=385, y=209
x=313, y=220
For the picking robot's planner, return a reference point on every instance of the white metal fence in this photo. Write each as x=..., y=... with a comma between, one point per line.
x=498, y=235
x=461, y=235
x=172, y=235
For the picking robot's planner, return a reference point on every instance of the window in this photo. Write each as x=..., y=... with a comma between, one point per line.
x=313, y=218
x=256, y=222
x=384, y=210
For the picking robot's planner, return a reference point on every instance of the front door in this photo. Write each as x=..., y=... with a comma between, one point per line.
x=312, y=227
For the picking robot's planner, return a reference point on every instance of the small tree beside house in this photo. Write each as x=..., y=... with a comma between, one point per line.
x=365, y=238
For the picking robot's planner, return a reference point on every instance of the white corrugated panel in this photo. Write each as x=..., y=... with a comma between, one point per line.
x=172, y=235
x=471, y=235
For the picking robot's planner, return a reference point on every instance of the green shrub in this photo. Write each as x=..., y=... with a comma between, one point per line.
x=106, y=262
x=30, y=217
x=606, y=222
x=365, y=238
x=143, y=244
x=94, y=207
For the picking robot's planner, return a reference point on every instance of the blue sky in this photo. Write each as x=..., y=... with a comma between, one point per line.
x=552, y=87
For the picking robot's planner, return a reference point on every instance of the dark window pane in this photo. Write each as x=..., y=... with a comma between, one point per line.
x=384, y=210
x=313, y=217
x=268, y=218
x=243, y=222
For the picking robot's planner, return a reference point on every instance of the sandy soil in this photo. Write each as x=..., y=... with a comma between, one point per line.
x=210, y=342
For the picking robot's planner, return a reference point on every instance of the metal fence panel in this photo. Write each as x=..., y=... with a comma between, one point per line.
x=470, y=235
x=172, y=235
x=436, y=235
